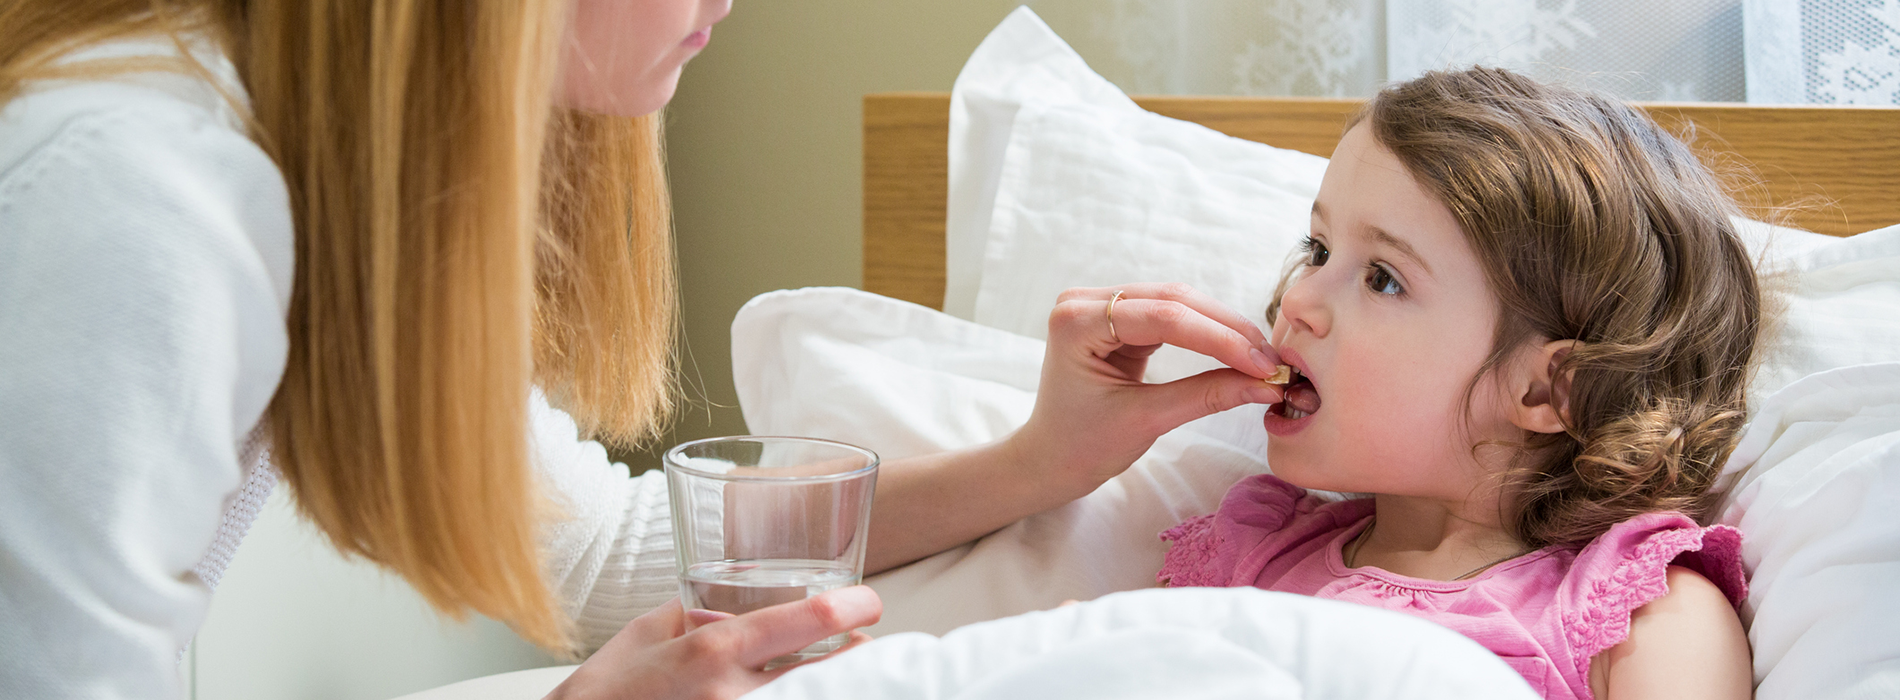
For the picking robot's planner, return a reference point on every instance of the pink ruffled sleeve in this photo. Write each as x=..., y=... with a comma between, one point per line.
x=1206, y=548
x=1191, y=561
x=1627, y=567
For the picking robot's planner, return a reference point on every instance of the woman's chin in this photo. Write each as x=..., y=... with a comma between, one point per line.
x=637, y=98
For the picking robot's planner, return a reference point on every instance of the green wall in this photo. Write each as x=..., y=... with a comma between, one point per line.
x=765, y=150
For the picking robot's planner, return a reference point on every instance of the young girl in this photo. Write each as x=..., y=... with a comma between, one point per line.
x=1522, y=323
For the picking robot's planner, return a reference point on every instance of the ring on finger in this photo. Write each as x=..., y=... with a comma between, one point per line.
x=1111, y=317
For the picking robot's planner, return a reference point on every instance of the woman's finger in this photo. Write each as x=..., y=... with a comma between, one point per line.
x=657, y=625
x=762, y=635
x=1175, y=403
x=1141, y=322
x=1210, y=307
x=1182, y=293
x=858, y=639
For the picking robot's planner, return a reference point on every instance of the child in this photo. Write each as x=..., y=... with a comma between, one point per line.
x=1523, y=324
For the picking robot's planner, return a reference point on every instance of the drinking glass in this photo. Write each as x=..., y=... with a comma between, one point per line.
x=759, y=521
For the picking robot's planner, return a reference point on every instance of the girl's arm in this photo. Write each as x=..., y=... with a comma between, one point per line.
x=1093, y=417
x=1687, y=644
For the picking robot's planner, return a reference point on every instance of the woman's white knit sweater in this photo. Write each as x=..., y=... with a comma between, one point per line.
x=145, y=267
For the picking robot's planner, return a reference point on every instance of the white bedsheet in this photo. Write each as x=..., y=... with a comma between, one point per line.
x=1189, y=643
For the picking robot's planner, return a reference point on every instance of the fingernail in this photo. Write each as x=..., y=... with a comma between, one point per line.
x=1261, y=360
x=856, y=597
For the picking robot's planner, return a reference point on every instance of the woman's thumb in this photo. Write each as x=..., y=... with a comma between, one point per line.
x=1208, y=393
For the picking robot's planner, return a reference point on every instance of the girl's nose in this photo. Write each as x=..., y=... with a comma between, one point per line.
x=1304, y=305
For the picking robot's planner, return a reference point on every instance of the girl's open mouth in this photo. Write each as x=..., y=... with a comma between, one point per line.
x=1302, y=399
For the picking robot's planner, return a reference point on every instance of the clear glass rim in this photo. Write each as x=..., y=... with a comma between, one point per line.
x=671, y=461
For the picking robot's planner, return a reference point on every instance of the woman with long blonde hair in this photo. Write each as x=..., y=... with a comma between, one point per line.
x=413, y=258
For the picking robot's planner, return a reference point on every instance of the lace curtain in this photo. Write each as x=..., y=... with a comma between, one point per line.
x=1766, y=51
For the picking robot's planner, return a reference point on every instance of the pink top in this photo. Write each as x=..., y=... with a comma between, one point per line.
x=1546, y=613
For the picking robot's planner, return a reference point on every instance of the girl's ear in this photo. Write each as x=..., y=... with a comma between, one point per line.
x=1543, y=405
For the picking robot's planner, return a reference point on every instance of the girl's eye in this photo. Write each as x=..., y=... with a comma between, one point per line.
x=1381, y=281
x=1316, y=252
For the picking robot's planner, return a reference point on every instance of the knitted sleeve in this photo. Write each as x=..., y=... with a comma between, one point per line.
x=145, y=256
x=610, y=556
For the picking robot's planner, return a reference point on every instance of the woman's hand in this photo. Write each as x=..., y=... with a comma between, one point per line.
x=1094, y=416
x=655, y=657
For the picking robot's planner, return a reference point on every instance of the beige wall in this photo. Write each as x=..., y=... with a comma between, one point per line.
x=765, y=151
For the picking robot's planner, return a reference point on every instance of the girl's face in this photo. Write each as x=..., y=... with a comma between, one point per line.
x=1389, y=319
x=624, y=57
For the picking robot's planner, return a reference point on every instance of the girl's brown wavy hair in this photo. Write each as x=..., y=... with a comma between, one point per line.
x=459, y=239
x=1592, y=223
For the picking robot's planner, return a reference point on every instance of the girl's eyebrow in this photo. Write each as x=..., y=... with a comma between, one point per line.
x=1380, y=235
x=1399, y=244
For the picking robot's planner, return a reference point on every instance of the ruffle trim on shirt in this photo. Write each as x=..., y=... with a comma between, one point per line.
x=1641, y=576
x=1190, y=561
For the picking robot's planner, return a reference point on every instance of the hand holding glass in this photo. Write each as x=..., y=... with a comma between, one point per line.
x=759, y=521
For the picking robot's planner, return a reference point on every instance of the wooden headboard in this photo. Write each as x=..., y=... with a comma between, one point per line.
x=1839, y=166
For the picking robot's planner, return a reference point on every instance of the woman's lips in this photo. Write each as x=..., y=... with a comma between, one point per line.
x=698, y=39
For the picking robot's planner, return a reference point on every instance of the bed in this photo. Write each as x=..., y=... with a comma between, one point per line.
x=1035, y=175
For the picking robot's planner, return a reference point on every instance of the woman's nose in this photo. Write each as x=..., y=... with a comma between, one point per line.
x=1304, y=304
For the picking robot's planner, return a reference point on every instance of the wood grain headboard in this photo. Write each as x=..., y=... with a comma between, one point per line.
x=1838, y=166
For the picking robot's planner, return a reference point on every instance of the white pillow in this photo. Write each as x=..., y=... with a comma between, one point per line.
x=1815, y=504
x=902, y=380
x=1015, y=64
x=1842, y=307
x=1092, y=190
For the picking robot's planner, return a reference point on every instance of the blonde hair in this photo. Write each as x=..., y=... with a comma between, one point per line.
x=458, y=239
x=1594, y=224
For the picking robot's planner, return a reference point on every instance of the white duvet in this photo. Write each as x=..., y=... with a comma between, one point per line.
x=1189, y=643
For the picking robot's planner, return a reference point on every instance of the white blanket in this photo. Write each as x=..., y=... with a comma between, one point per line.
x=1190, y=643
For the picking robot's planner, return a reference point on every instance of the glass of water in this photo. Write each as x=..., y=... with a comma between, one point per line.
x=759, y=521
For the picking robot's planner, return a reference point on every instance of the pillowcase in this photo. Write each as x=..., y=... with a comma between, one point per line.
x=1840, y=302
x=1090, y=190
x=1015, y=64
x=1818, y=475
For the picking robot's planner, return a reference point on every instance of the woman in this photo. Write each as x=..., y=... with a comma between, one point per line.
x=370, y=245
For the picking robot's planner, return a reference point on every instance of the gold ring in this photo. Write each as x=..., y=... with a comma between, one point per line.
x=1111, y=317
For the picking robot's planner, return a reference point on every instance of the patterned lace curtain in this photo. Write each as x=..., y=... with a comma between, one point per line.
x=1773, y=51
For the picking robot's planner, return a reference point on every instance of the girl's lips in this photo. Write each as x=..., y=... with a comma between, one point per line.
x=1281, y=426
x=698, y=39
x=1303, y=393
